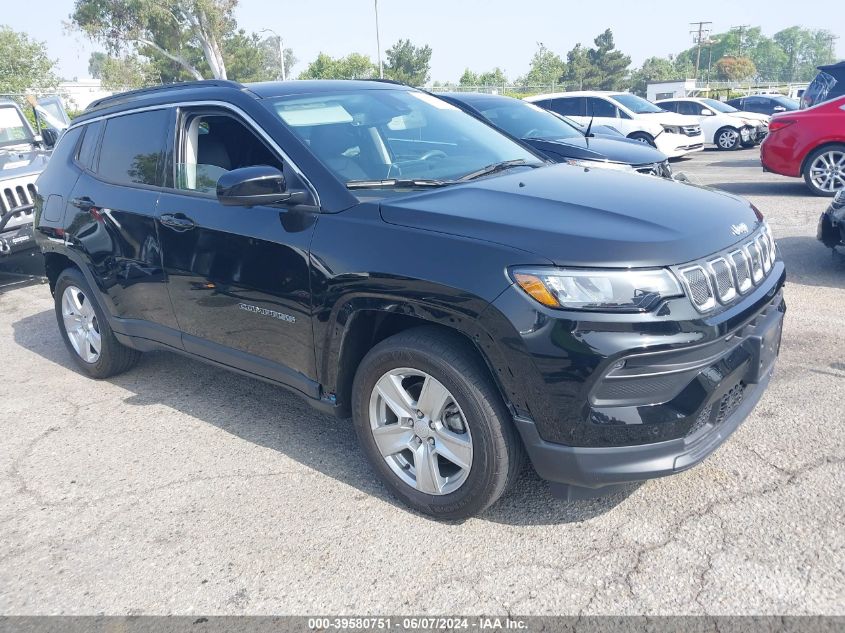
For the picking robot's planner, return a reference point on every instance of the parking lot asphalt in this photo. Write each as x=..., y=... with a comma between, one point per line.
x=178, y=488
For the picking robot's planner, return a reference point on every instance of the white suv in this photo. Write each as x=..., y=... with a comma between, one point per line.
x=723, y=125
x=633, y=116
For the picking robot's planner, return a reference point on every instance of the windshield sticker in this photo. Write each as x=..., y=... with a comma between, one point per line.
x=316, y=114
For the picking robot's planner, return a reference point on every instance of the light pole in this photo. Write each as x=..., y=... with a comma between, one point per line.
x=378, y=45
x=281, y=50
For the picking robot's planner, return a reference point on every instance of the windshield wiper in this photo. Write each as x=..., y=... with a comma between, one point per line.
x=397, y=182
x=495, y=167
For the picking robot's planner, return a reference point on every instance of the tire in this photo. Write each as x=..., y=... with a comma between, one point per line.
x=749, y=144
x=496, y=454
x=727, y=139
x=643, y=137
x=81, y=322
x=828, y=157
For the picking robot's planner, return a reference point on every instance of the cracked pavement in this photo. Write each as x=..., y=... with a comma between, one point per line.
x=178, y=488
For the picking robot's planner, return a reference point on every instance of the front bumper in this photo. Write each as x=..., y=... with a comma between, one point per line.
x=831, y=229
x=725, y=388
x=16, y=241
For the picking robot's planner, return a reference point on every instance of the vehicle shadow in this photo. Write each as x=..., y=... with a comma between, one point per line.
x=810, y=263
x=786, y=187
x=249, y=409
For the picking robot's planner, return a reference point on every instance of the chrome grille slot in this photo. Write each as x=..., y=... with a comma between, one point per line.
x=742, y=272
x=698, y=284
x=17, y=193
x=753, y=254
x=763, y=246
x=724, y=282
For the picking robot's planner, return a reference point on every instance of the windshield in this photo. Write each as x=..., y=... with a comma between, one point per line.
x=525, y=120
x=14, y=130
x=372, y=135
x=818, y=90
x=718, y=106
x=636, y=104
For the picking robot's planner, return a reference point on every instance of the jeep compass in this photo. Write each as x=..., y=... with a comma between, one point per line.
x=391, y=258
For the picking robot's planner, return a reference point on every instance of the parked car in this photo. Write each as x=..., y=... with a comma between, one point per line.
x=23, y=156
x=383, y=254
x=809, y=143
x=828, y=84
x=556, y=138
x=636, y=118
x=831, y=230
x=722, y=125
x=764, y=104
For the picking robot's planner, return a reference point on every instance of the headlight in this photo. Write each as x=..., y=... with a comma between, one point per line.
x=598, y=164
x=633, y=290
x=671, y=129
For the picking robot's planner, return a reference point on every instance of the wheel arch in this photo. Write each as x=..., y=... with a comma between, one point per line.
x=815, y=148
x=362, y=324
x=54, y=264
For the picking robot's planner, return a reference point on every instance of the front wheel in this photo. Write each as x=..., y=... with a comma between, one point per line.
x=728, y=139
x=86, y=331
x=433, y=424
x=824, y=170
x=643, y=137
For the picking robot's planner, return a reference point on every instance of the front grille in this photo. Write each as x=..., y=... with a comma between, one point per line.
x=722, y=278
x=18, y=194
x=692, y=130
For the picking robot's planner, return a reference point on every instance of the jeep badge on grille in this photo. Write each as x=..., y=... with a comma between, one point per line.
x=739, y=229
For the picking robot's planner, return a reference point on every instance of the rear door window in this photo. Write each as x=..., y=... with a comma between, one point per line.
x=87, y=149
x=600, y=108
x=132, y=148
x=568, y=106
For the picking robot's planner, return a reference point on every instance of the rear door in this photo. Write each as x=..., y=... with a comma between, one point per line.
x=112, y=218
x=238, y=276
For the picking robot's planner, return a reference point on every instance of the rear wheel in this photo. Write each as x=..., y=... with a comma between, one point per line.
x=727, y=138
x=86, y=331
x=643, y=137
x=433, y=424
x=824, y=170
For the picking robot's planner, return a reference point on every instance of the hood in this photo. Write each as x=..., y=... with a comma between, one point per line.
x=617, y=150
x=754, y=117
x=582, y=217
x=21, y=160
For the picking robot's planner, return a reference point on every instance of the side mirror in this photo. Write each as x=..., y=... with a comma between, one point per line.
x=252, y=186
x=706, y=112
x=49, y=137
x=779, y=109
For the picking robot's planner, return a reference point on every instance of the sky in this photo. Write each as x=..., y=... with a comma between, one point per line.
x=479, y=34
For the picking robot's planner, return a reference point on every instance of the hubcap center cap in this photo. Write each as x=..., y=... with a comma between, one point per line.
x=421, y=428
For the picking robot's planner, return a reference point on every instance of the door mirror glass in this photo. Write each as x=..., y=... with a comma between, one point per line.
x=706, y=112
x=49, y=137
x=252, y=186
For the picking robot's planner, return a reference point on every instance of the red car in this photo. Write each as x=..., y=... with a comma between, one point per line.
x=809, y=143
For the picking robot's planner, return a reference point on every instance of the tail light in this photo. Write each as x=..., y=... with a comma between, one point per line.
x=778, y=124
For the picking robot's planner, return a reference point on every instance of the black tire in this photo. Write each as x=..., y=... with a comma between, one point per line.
x=497, y=450
x=642, y=137
x=749, y=144
x=724, y=144
x=808, y=163
x=114, y=358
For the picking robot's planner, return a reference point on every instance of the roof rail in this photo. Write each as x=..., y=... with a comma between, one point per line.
x=122, y=97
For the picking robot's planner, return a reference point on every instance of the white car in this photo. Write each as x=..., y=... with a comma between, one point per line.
x=633, y=116
x=723, y=125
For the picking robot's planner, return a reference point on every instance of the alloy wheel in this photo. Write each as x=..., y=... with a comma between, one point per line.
x=828, y=171
x=81, y=326
x=420, y=431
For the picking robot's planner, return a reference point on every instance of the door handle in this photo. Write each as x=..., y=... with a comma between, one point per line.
x=177, y=221
x=84, y=203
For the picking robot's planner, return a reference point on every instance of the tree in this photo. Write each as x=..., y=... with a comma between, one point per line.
x=95, y=64
x=407, y=63
x=353, y=66
x=251, y=58
x=653, y=69
x=731, y=68
x=469, y=78
x=495, y=77
x=24, y=64
x=126, y=73
x=609, y=66
x=169, y=28
x=578, y=66
x=546, y=68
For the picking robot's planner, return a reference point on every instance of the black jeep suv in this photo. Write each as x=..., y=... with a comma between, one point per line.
x=386, y=255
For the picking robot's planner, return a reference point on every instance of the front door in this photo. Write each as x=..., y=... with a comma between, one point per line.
x=238, y=276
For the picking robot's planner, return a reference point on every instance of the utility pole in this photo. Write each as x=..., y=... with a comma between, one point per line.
x=701, y=33
x=281, y=51
x=710, y=42
x=378, y=45
x=741, y=28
